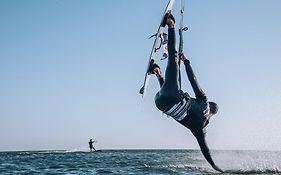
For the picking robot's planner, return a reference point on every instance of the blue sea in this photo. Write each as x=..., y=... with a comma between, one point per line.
x=188, y=162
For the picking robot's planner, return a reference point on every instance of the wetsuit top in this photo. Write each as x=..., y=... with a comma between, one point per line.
x=198, y=115
x=91, y=144
x=193, y=113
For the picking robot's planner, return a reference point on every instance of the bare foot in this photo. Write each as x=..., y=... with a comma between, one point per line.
x=157, y=71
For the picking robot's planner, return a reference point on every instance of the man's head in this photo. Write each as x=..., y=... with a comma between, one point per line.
x=213, y=107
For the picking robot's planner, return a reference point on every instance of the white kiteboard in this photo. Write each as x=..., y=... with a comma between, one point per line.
x=156, y=44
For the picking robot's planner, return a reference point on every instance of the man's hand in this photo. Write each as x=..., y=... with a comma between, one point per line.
x=182, y=56
x=217, y=168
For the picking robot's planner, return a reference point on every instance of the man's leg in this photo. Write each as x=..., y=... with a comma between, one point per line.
x=169, y=93
x=171, y=85
x=155, y=69
x=159, y=77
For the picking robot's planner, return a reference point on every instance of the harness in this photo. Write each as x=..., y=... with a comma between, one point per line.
x=179, y=110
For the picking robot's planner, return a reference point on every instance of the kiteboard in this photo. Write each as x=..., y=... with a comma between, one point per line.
x=155, y=47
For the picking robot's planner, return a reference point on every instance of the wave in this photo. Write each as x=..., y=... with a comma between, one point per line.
x=78, y=150
x=254, y=171
x=50, y=151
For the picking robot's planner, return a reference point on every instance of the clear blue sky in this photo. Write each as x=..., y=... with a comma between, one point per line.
x=71, y=71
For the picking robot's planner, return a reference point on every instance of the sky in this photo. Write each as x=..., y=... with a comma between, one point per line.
x=71, y=70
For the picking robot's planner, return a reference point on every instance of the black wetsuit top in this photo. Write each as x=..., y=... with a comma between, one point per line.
x=91, y=144
x=198, y=114
x=192, y=113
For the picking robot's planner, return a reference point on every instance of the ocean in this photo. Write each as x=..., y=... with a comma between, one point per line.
x=126, y=162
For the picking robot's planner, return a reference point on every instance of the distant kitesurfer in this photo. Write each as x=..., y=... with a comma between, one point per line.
x=92, y=148
x=193, y=113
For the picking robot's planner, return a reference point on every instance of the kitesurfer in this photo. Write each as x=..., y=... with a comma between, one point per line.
x=193, y=113
x=91, y=146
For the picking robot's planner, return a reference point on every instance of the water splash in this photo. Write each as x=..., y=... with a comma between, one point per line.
x=250, y=162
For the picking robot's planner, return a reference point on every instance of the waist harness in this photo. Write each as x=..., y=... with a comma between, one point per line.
x=179, y=110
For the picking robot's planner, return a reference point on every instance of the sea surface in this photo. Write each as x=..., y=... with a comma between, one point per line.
x=125, y=162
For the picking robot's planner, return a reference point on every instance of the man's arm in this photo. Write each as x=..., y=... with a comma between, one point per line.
x=193, y=80
x=200, y=136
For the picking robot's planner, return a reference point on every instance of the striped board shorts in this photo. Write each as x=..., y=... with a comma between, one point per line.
x=179, y=110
